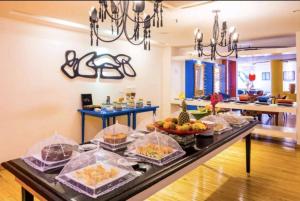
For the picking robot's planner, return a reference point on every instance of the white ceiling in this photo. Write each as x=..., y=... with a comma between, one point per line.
x=254, y=20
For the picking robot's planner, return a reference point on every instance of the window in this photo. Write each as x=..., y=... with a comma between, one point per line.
x=288, y=75
x=265, y=76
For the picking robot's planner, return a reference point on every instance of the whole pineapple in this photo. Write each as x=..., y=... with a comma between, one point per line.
x=183, y=116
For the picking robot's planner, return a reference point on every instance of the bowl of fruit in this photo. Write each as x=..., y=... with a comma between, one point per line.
x=181, y=125
x=200, y=113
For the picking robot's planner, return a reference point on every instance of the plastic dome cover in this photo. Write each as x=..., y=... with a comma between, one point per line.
x=220, y=124
x=156, y=148
x=147, y=124
x=50, y=153
x=233, y=119
x=96, y=172
x=114, y=137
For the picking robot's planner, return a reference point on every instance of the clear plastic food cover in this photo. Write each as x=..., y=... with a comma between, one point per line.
x=234, y=119
x=147, y=124
x=96, y=172
x=156, y=148
x=50, y=153
x=220, y=125
x=114, y=137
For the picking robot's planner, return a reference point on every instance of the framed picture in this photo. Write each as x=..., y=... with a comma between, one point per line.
x=86, y=99
x=288, y=75
x=265, y=76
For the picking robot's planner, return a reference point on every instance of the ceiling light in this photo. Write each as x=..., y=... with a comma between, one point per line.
x=118, y=13
x=230, y=43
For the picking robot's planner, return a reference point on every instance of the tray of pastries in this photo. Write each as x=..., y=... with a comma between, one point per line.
x=96, y=179
x=114, y=137
x=157, y=154
x=114, y=141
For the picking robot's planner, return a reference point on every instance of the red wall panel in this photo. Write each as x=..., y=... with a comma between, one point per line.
x=232, y=78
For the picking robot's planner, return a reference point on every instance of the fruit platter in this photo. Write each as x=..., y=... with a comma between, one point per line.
x=189, y=128
x=181, y=125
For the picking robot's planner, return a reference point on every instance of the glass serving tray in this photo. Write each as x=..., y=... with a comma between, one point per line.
x=113, y=147
x=101, y=188
x=165, y=160
x=41, y=165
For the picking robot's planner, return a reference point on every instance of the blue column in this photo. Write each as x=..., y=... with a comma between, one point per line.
x=189, y=78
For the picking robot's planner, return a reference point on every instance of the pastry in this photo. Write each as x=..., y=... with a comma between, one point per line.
x=219, y=127
x=95, y=175
x=57, y=152
x=154, y=151
x=150, y=127
x=115, y=138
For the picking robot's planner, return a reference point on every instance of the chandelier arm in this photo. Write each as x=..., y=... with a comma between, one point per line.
x=219, y=44
x=127, y=15
x=110, y=15
x=130, y=38
x=207, y=55
x=107, y=41
x=230, y=53
x=206, y=45
x=140, y=22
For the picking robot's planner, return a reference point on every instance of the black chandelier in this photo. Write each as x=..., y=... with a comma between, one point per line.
x=118, y=14
x=230, y=44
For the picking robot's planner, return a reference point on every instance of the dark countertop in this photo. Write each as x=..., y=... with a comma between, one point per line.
x=46, y=185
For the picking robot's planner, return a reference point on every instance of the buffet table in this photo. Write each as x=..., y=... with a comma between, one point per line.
x=106, y=115
x=241, y=106
x=45, y=187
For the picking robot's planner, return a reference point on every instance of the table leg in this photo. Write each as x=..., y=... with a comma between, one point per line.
x=26, y=196
x=248, y=153
x=128, y=119
x=277, y=119
x=134, y=120
x=103, y=122
x=154, y=112
x=108, y=121
x=114, y=120
x=259, y=117
x=82, y=127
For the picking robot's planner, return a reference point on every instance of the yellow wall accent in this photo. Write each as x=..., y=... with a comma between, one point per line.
x=277, y=77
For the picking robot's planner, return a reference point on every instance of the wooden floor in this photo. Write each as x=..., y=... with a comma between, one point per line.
x=275, y=176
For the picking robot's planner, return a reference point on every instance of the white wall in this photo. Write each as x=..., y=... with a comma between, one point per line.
x=177, y=78
x=37, y=98
x=289, y=66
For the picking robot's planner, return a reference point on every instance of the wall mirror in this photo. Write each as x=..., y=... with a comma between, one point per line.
x=199, y=80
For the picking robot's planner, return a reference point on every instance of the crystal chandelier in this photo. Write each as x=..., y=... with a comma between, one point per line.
x=118, y=14
x=229, y=44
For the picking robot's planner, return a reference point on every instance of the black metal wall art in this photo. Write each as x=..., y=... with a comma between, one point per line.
x=92, y=65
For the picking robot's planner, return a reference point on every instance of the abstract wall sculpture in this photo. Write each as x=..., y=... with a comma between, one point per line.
x=91, y=65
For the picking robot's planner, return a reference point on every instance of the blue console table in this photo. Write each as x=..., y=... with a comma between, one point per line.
x=106, y=115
